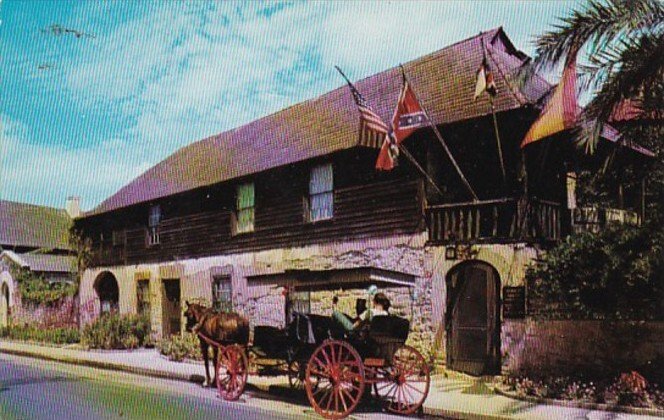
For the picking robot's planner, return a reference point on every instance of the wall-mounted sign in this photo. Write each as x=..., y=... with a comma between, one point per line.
x=514, y=302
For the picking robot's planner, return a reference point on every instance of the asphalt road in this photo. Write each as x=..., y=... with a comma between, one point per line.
x=37, y=389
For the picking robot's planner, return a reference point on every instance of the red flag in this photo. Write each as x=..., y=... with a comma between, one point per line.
x=408, y=116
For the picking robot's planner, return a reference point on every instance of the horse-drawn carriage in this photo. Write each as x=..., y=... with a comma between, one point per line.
x=336, y=368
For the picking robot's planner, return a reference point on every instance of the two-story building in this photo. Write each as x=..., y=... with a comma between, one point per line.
x=234, y=219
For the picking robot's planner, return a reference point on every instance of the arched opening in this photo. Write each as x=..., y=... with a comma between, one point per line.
x=472, y=320
x=106, y=287
x=4, y=305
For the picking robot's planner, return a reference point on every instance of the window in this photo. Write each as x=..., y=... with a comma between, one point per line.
x=153, y=225
x=222, y=293
x=298, y=302
x=118, y=237
x=244, y=208
x=321, y=193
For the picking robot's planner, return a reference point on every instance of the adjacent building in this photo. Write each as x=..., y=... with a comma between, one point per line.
x=239, y=219
x=36, y=239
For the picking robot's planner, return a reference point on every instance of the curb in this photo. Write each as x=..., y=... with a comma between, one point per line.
x=107, y=366
x=583, y=405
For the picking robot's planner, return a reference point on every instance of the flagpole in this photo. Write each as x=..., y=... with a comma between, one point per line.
x=495, y=128
x=442, y=142
x=401, y=147
x=410, y=157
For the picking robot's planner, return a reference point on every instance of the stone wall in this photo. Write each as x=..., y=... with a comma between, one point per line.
x=63, y=313
x=262, y=301
x=570, y=346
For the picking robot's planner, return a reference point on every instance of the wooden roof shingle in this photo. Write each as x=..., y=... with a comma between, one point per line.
x=444, y=81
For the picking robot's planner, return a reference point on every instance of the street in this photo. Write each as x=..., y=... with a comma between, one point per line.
x=38, y=389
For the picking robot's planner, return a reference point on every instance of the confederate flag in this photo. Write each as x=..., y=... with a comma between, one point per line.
x=408, y=116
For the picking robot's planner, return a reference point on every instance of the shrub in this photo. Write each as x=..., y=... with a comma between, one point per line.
x=113, y=331
x=614, y=274
x=61, y=335
x=627, y=389
x=180, y=347
x=34, y=289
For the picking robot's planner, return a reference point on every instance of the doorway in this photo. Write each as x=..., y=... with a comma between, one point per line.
x=4, y=305
x=472, y=319
x=108, y=293
x=171, y=308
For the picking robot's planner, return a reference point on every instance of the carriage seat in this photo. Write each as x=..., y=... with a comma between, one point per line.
x=389, y=328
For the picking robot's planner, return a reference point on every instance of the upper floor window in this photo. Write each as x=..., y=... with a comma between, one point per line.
x=244, y=208
x=153, y=225
x=119, y=237
x=321, y=193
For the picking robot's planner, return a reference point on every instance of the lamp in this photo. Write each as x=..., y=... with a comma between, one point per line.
x=451, y=252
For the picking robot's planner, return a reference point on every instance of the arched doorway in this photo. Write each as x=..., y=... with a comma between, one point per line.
x=4, y=305
x=108, y=293
x=472, y=319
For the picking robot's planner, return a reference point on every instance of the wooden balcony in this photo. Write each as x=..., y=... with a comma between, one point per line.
x=501, y=220
x=593, y=219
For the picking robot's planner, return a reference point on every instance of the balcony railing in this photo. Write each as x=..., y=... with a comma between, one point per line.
x=592, y=219
x=506, y=219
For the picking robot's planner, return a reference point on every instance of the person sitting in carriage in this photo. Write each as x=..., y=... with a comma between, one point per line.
x=381, y=306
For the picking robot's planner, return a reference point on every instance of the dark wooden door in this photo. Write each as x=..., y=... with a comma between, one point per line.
x=172, y=311
x=472, y=320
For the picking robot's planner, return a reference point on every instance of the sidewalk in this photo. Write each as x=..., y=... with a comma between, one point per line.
x=455, y=397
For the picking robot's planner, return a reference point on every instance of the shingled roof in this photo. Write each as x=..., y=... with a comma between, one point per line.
x=28, y=225
x=444, y=81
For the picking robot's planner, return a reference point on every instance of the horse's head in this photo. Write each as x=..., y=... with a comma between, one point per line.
x=193, y=314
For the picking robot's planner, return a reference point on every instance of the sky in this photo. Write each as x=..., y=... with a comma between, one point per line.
x=85, y=115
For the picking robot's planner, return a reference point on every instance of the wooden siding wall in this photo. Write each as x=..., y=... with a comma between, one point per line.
x=199, y=223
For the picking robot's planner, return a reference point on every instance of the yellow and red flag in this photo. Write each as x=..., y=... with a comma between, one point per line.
x=560, y=112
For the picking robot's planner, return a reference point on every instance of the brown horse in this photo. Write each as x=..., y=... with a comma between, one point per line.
x=225, y=328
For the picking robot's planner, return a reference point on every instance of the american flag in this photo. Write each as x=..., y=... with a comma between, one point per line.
x=372, y=128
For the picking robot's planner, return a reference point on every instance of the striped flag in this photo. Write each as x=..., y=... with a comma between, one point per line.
x=560, y=112
x=373, y=129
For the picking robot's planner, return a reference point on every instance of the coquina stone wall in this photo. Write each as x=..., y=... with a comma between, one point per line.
x=563, y=347
x=262, y=300
x=63, y=313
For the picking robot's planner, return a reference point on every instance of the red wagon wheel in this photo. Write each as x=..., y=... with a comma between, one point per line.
x=232, y=370
x=334, y=379
x=406, y=384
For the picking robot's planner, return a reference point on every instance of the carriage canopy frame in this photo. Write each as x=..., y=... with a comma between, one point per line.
x=335, y=279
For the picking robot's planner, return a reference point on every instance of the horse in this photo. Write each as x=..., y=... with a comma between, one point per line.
x=224, y=327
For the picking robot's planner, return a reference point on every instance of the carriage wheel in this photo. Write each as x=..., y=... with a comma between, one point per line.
x=334, y=379
x=232, y=369
x=295, y=375
x=406, y=384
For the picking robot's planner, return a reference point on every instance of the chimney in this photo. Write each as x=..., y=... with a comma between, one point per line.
x=72, y=206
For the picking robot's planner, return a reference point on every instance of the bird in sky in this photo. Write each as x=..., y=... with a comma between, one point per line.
x=58, y=30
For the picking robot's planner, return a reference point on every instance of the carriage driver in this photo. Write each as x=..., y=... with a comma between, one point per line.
x=381, y=306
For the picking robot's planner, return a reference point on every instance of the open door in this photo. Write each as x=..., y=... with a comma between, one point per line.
x=472, y=321
x=171, y=308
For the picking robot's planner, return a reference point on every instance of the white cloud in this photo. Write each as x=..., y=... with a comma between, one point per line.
x=52, y=173
x=178, y=72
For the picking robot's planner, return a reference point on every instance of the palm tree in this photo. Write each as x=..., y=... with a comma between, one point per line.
x=624, y=42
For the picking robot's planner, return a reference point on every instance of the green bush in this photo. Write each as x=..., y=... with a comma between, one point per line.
x=61, y=335
x=35, y=289
x=112, y=331
x=614, y=274
x=180, y=347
